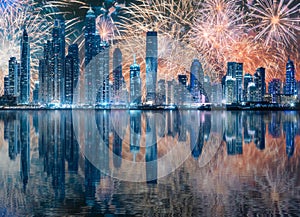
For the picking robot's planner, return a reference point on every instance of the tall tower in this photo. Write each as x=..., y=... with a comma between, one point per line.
x=135, y=84
x=235, y=70
x=14, y=77
x=72, y=74
x=230, y=88
x=25, y=69
x=58, y=56
x=259, y=80
x=117, y=72
x=151, y=66
x=290, y=82
x=90, y=29
x=247, y=80
x=239, y=82
x=196, y=80
x=101, y=74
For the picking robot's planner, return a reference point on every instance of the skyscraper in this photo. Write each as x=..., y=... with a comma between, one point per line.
x=35, y=93
x=117, y=72
x=90, y=29
x=239, y=82
x=6, y=86
x=196, y=80
x=72, y=73
x=247, y=79
x=135, y=84
x=182, y=89
x=274, y=89
x=48, y=73
x=58, y=56
x=251, y=92
x=207, y=88
x=290, y=78
x=42, y=81
x=259, y=80
x=236, y=71
x=151, y=66
x=161, y=92
x=25, y=69
x=230, y=90
x=101, y=74
x=171, y=92
x=14, y=77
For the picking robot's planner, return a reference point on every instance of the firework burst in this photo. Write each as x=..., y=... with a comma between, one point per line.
x=219, y=23
x=276, y=22
x=172, y=20
x=224, y=32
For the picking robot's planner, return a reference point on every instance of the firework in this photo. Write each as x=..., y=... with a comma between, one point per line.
x=14, y=15
x=172, y=20
x=222, y=32
x=276, y=22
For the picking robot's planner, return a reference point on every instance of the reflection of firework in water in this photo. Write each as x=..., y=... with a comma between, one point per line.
x=14, y=15
x=276, y=21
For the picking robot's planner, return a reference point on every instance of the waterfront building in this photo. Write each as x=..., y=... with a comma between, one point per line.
x=161, y=92
x=14, y=77
x=274, y=90
x=196, y=80
x=90, y=43
x=25, y=69
x=259, y=80
x=135, y=84
x=230, y=92
x=72, y=74
x=247, y=79
x=117, y=74
x=151, y=66
x=290, y=82
x=182, y=89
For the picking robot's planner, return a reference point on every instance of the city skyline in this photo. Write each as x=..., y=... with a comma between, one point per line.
x=115, y=19
x=100, y=85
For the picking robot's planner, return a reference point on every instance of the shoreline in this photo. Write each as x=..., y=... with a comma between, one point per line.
x=158, y=108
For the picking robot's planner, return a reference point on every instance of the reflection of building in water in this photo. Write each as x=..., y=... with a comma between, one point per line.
x=151, y=148
x=52, y=148
x=290, y=131
x=172, y=123
x=119, y=125
x=12, y=134
x=260, y=131
x=135, y=132
x=72, y=146
x=274, y=125
x=103, y=125
x=25, y=148
x=35, y=120
x=248, y=135
x=196, y=134
x=161, y=124
x=233, y=133
x=182, y=126
x=91, y=180
x=206, y=125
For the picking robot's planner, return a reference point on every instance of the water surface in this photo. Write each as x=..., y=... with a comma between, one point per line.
x=149, y=163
